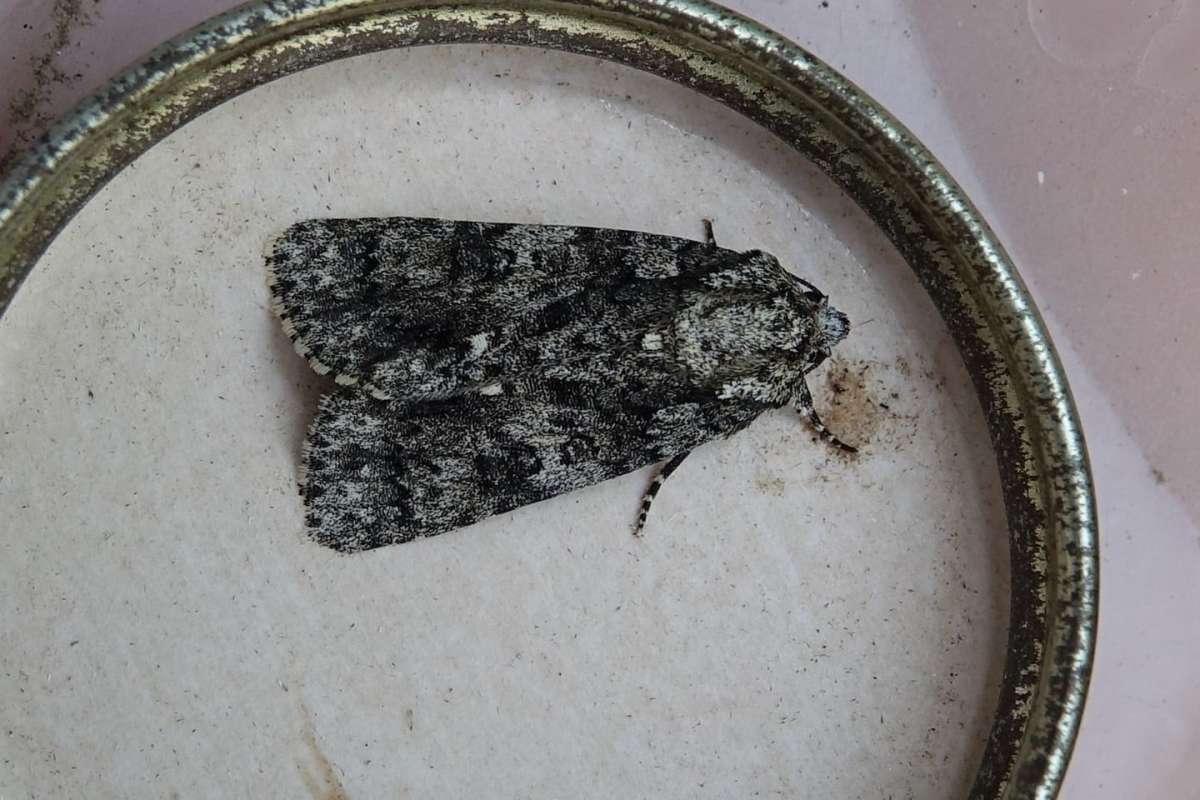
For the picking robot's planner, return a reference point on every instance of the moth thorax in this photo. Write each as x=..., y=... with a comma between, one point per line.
x=717, y=339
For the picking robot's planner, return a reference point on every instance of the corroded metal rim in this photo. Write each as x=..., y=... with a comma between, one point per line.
x=1019, y=381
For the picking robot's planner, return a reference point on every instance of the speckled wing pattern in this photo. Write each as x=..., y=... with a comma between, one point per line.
x=377, y=476
x=485, y=366
x=422, y=308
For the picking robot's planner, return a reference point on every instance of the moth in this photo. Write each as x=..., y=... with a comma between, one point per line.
x=481, y=367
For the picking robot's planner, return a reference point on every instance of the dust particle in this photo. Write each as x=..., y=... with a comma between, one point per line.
x=851, y=414
x=861, y=409
x=770, y=484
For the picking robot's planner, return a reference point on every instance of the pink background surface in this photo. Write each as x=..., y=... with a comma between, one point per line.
x=1074, y=126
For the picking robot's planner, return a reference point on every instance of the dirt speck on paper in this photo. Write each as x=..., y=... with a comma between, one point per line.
x=325, y=783
x=862, y=401
x=852, y=412
x=768, y=483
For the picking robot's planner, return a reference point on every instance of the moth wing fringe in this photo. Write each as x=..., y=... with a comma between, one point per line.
x=279, y=309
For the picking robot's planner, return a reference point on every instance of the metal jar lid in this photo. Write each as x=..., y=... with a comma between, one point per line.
x=1034, y=427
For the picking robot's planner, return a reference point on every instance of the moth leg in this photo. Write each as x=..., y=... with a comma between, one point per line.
x=655, y=485
x=709, y=237
x=804, y=404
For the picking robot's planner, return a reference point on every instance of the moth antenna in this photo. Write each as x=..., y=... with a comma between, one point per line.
x=814, y=290
x=804, y=404
x=655, y=485
x=709, y=237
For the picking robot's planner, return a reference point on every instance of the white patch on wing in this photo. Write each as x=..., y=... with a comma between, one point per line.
x=744, y=388
x=479, y=344
x=376, y=392
x=652, y=341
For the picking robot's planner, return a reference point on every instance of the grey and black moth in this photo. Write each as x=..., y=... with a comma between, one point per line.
x=482, y=367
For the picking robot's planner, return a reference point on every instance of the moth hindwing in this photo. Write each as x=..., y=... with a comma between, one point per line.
x=484, y=366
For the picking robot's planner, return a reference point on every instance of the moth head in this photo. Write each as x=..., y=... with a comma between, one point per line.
x=832, y=325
